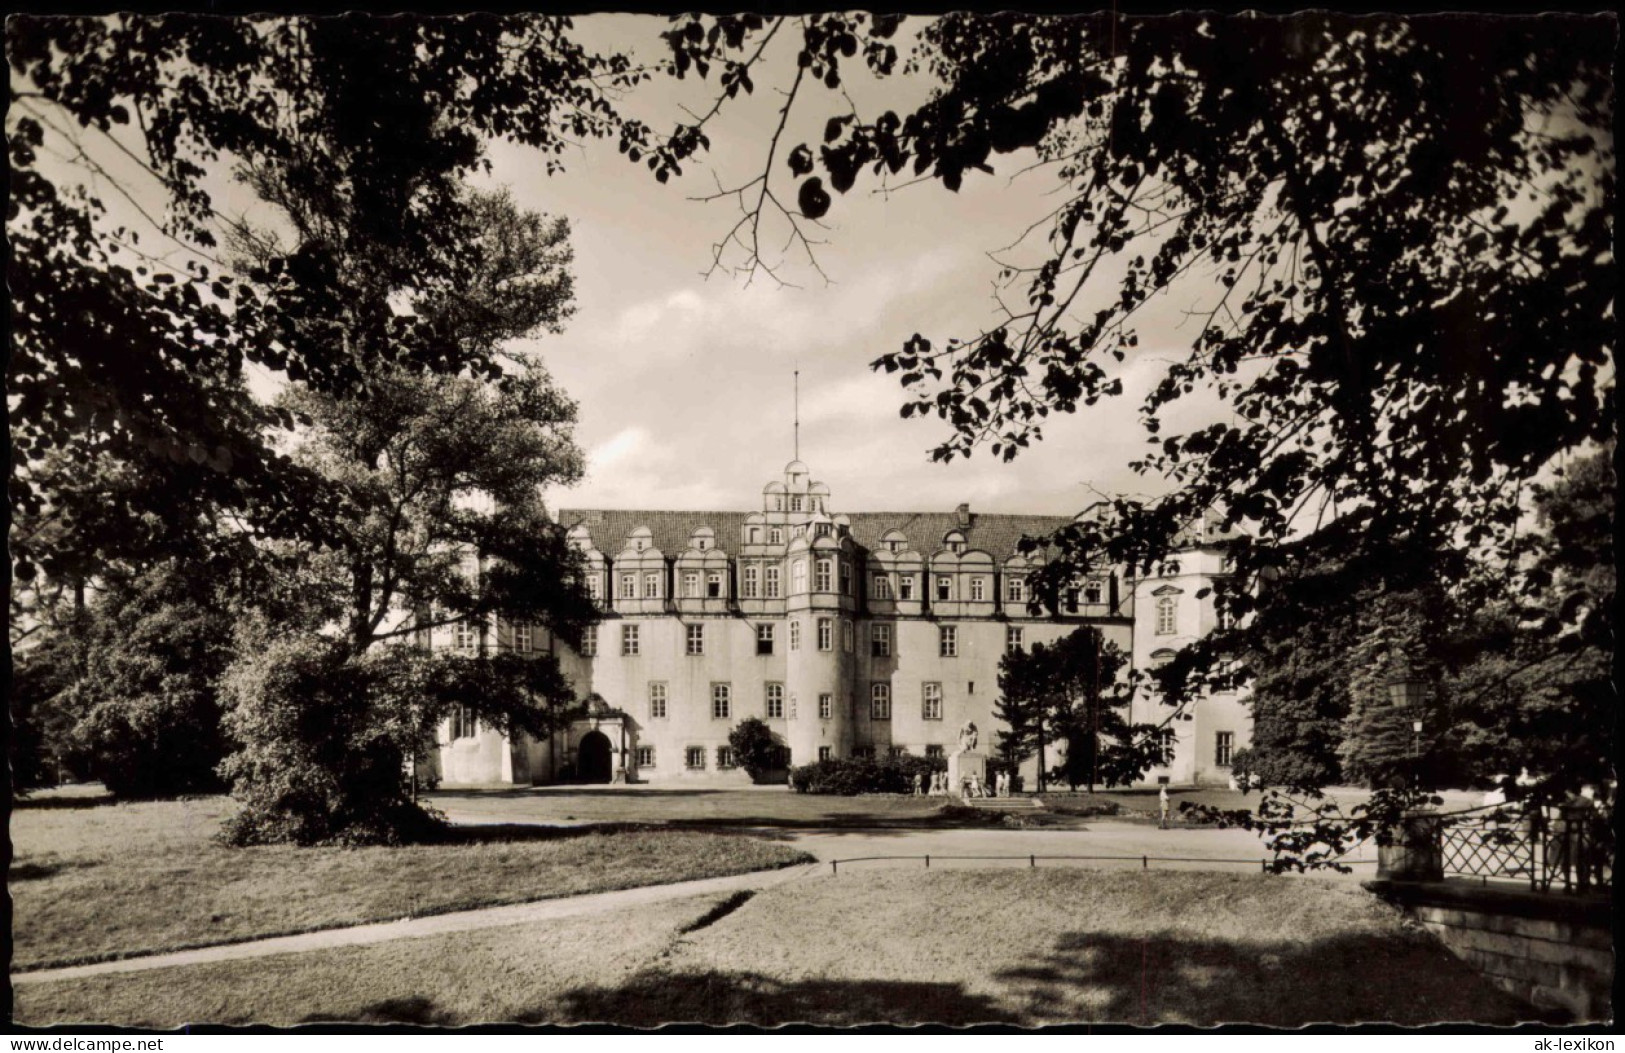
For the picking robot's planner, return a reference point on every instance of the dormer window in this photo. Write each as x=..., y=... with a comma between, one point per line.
x=945, y=588
x=955, y=542
x=713, y=584
x=1094, y=592
x=702, y=544
x=651, y=586
x=640, y=544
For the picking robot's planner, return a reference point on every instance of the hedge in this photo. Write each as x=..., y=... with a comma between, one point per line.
x=848, y=778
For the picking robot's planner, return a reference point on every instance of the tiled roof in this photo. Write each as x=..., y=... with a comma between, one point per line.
x=995, y=534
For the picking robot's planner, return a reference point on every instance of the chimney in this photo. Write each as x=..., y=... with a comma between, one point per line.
x=963, y=512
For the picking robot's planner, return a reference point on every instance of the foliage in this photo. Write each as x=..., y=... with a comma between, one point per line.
x=1070, y=689
x=325, y=734
x=41, y=748
x=848, y=778
x=754, y=747
x=129, y=338
x=149, y=715
x=1312, y=833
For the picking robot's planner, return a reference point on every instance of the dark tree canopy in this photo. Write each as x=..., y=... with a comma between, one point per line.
x=359, y=130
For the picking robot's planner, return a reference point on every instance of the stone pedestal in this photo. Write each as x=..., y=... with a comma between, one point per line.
x=966, y=764
x=1416, y=852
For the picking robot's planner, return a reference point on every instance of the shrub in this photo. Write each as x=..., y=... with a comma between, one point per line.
x=753, y=745
x=848, y=778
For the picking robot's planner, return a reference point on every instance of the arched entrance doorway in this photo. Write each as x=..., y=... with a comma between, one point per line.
x=595, y=761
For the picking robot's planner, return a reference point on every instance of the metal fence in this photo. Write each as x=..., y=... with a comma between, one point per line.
x=1570, y=847
x=1032, y=861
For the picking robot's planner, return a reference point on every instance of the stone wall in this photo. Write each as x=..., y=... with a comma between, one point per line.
x=1554, y=951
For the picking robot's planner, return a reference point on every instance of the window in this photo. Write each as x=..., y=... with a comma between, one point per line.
x=826, y=634
x=753, y=535
x=948, y=641
x=879, y=701
x=776, y=535
x=748, y=585
x=522, y=637
x=1165, y=745
x=651, y=585
x=882, y=589
x=956, y=542
x=1161, y=658
x=970, y=687
x=646, y=756
x=764, y=639
x=1224, y=743
x=1012, y=638
x=1226, y=616
x=880, y=641
x=905, y=587
x=657, y=701
x=775, y=701
x=589, y=641
x=725, y=758
x=846, y=579
x=846, y=637
x=702, y=543
x=691, y=584
x=822, y=576
x=721, y=702
x=826, y=706
x=467, y=638
x=792, y=705
x=898, y=751
x=978, y=589
x=933, y=753
x=1094, y=592
x=629, y=586
x=694, y=758
x=795, y=635
x=629, y=640
x=825, y=753
x=945, y=587
x=863, y=752
x=772, y=582
x=1015, y=589
x=595, y=587
x=931, y=702
x=798, y=577
x=696, y=640
x=795, y=504
x=463, y=723
x=713, y=584
x=1167, y=616
x=1072, y=600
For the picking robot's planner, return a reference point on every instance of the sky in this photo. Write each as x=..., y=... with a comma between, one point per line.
x=685, y=382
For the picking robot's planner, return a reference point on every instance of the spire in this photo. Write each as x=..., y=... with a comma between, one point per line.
x=797, y=445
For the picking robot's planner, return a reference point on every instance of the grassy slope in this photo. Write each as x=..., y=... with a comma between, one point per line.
x=901, y=946
x=113, y=880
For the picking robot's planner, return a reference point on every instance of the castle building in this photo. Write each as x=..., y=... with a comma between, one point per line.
x=862, y=634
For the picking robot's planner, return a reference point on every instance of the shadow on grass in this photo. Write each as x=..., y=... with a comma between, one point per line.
x=719, y=997
x=42, y=804
x=40, y=871
x=546, y=792
x=1162, y=978
x=414, y=1009
x=1174, y=978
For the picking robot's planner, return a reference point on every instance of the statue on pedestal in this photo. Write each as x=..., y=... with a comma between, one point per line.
x=967, y=737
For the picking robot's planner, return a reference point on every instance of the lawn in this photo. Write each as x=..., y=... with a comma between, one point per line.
x=958, y=947
x=689, y=807
x=91, y=879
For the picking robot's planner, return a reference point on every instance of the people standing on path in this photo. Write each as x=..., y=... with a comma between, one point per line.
x=1162, y=803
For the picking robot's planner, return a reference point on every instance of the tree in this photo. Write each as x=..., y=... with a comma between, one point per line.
x=129, y=338
x=1069, y=688
x=1400, y=273
x=325, y=734
x=146, y=699
x=754, y=747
